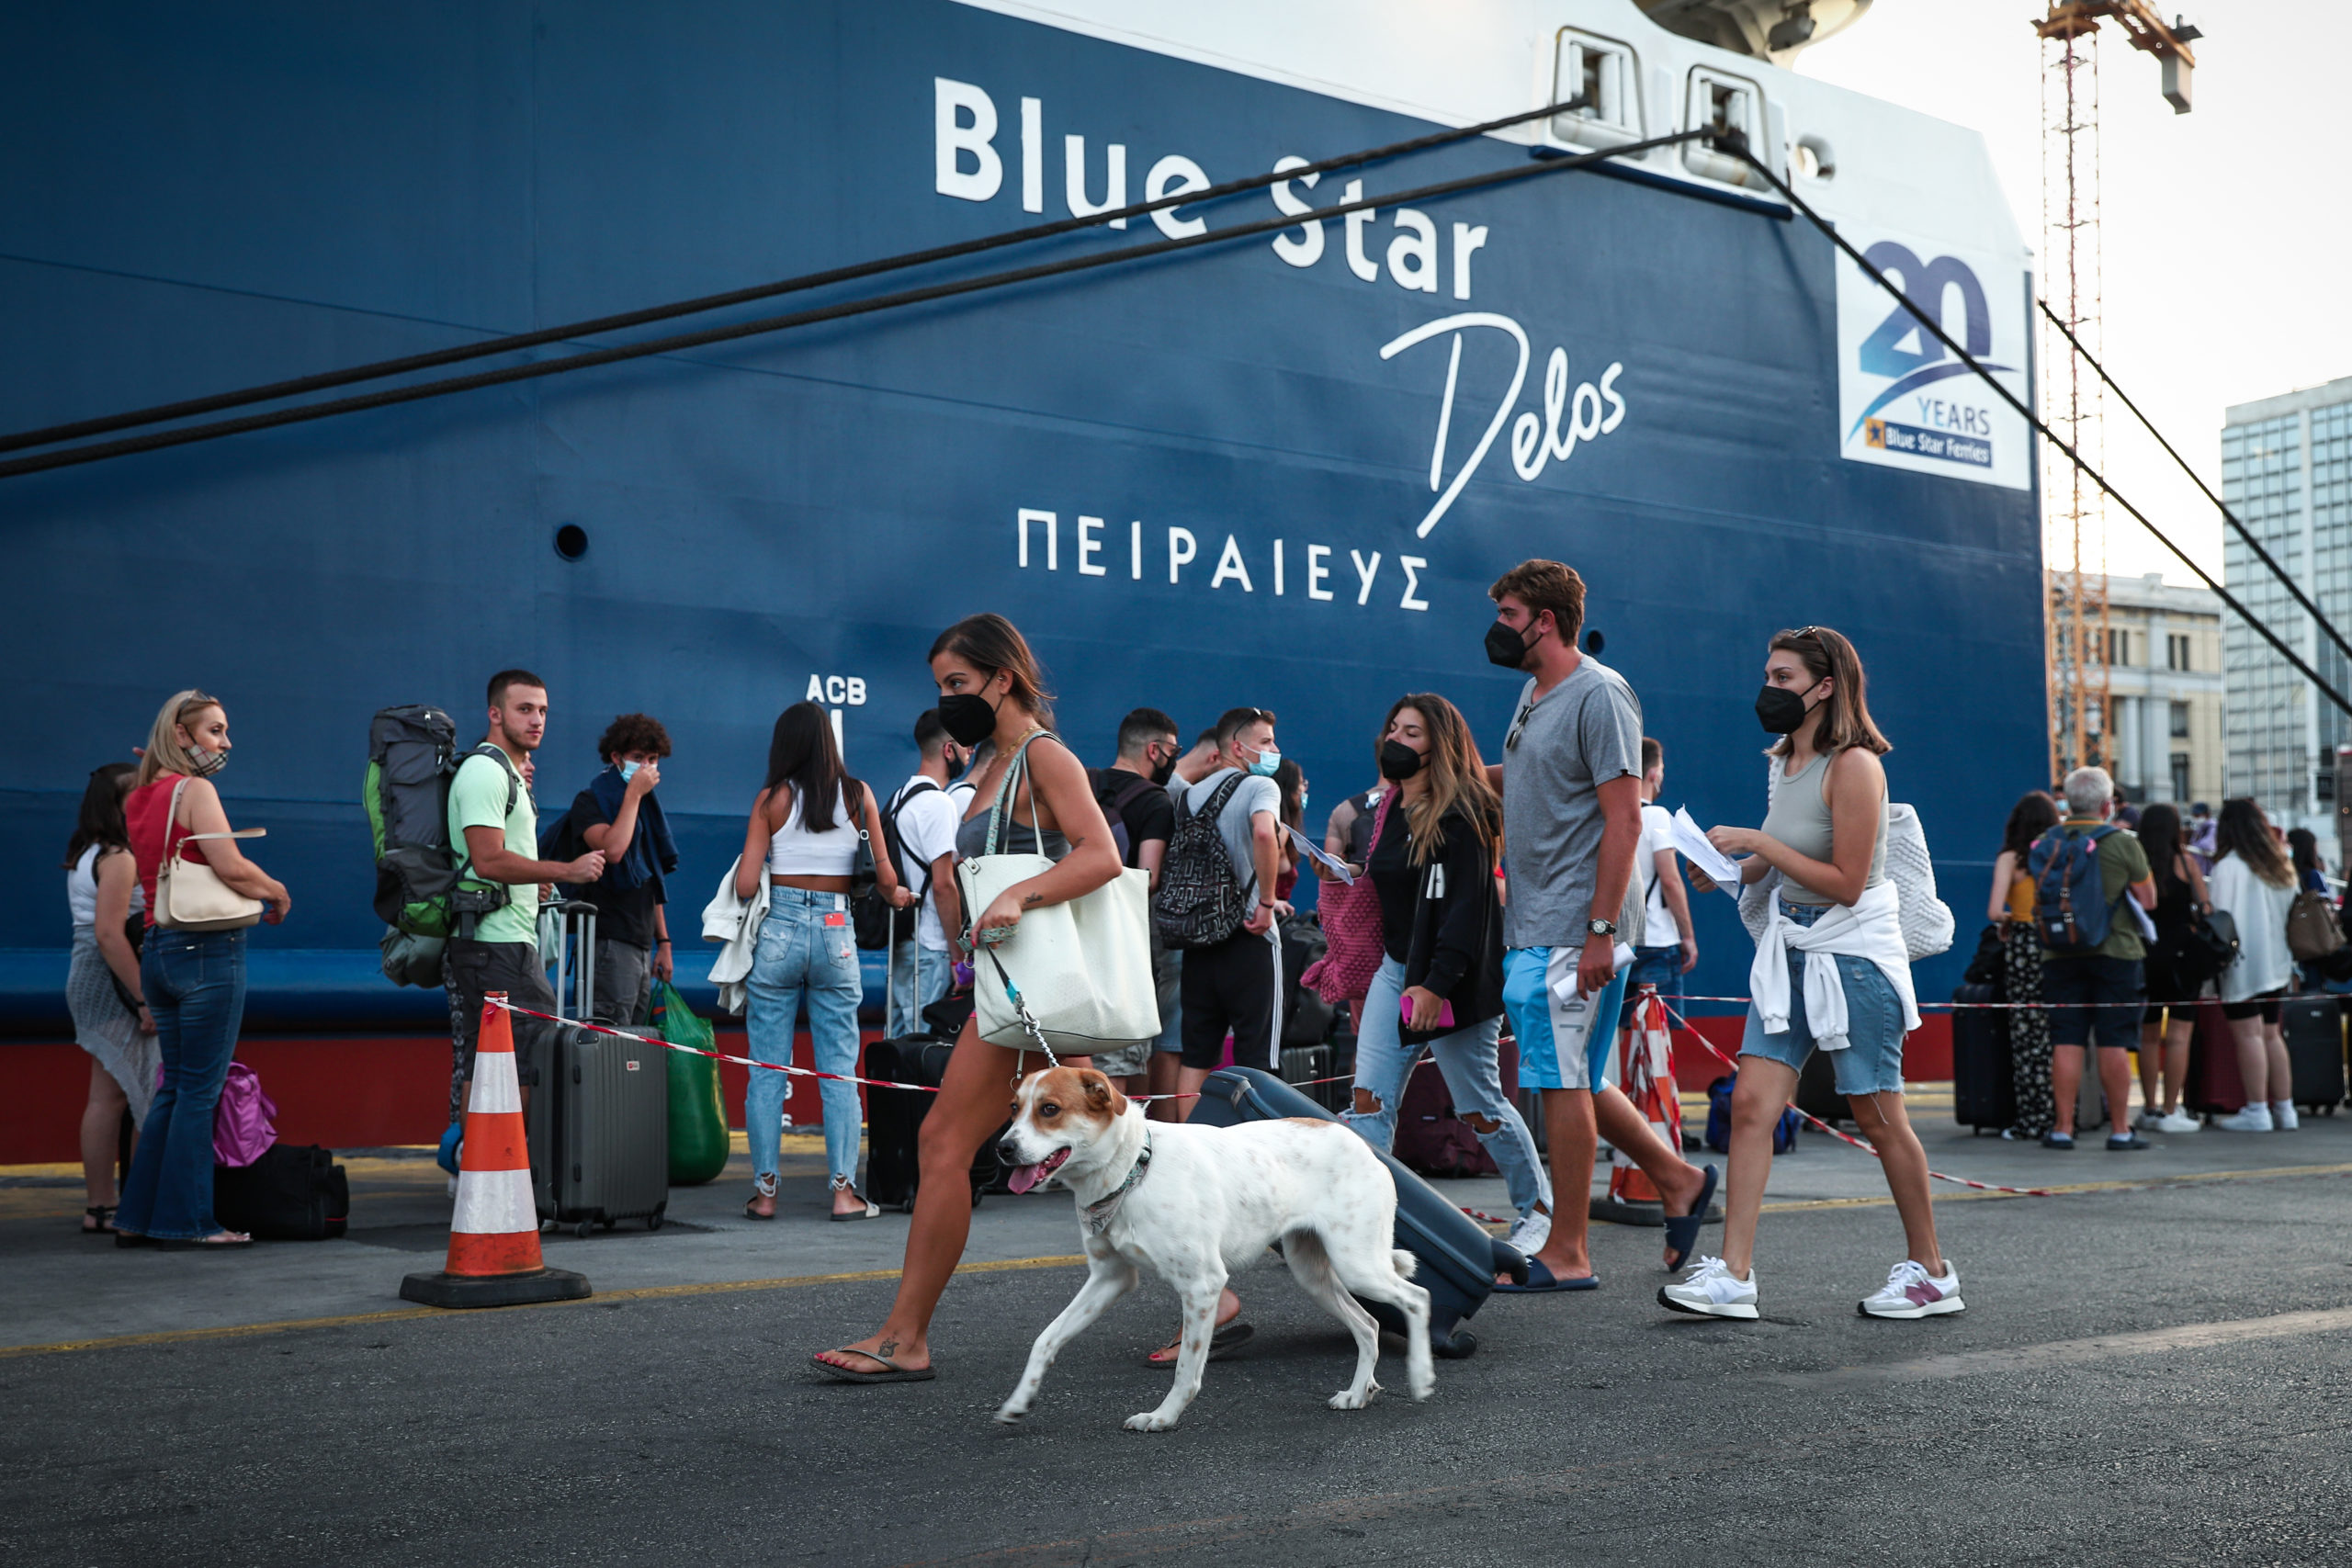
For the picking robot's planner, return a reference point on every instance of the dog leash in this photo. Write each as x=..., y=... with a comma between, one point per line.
x=1021, y=1012
x=1100, y=1213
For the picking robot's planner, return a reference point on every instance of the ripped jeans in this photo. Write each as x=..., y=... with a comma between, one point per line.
x=1468, y=1059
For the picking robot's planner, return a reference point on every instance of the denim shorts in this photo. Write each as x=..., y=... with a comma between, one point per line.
x=1871, y=1062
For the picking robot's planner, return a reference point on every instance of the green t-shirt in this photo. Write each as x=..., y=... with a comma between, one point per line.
x=478, y=799
x=2122, y=864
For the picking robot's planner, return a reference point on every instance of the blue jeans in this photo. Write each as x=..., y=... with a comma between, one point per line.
x=802, y=953
x=919, y=976
x=195, y=983
x=1466, y=1057
x=1871, y=1062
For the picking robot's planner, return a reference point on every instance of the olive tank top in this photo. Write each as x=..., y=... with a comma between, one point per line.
x=1800, y=819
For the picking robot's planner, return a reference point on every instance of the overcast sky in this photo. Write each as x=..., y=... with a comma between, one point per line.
x=2227, y=229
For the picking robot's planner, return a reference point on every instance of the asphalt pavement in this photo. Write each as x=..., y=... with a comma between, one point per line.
x=2150, y=1371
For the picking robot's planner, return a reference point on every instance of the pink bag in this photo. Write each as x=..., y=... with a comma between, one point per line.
x=1350, y=931
x=245, y=1123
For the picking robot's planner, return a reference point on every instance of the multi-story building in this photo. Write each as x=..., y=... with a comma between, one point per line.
x=2287, y=472
x=2162, y=734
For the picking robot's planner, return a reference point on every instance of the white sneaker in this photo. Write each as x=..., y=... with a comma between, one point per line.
x=1528, y=1236
x=2255, y=1118
x=1708, y=1290
x=1912, y=1291
x=2174, y=1122
x=2284, y=1117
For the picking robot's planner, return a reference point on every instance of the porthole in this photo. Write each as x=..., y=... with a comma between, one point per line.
x=1594, y=642
x=571, y=541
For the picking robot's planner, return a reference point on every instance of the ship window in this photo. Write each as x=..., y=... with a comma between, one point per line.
x=1722, y=103
x=571, y=541
x=1603, y=77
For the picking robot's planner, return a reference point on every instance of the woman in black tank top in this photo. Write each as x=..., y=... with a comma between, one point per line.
x=986, y=676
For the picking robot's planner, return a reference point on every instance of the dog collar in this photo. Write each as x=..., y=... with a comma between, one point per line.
x=1100, y=1212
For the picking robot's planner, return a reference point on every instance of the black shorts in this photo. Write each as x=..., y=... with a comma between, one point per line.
x=2095, y=999
x=2266, y=1006
x=2167, y=988
x=1234, y=988
x=473, y=968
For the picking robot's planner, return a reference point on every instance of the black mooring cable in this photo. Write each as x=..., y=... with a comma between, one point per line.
x=510, y=343
x=184, y=434
x=1737, y=144
x=2228, y=516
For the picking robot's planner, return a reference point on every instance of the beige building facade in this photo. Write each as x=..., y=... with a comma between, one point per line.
x=2162, y=737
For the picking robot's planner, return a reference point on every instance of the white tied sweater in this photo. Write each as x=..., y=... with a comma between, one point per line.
x=2260, y=910
x=1871, y=928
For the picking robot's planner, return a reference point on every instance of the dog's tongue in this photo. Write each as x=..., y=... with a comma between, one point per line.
x=1025, y=1177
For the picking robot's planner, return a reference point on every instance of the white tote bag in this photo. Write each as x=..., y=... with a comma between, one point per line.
x=1082, y=969
x=189, y=895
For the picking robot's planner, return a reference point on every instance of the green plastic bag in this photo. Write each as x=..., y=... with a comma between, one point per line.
x=697, y=1119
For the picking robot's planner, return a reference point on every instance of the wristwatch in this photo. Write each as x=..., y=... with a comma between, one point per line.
x=1601, y=927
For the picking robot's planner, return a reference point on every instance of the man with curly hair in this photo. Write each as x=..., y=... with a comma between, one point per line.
x=619, y=815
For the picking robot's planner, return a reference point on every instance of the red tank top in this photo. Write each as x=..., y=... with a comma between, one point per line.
x=147, y=814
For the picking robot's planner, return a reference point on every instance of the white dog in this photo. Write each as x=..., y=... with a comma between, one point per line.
x=1189, y=1204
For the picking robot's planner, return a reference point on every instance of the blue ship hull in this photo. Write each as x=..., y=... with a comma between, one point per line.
x=1194, y=482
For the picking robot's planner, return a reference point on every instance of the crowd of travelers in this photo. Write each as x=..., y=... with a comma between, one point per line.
x=1461, y=901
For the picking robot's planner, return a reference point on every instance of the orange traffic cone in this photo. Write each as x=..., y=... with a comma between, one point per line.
x=494, y=1234
x=1646, y=1075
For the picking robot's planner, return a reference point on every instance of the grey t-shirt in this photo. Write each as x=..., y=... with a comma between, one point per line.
x=1254, y=795
x=1585, y=731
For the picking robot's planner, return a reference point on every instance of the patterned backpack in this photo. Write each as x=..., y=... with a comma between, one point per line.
x=1200, y=902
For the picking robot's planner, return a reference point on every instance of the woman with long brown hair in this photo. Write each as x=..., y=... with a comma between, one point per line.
x=111, y=1018
x=804, y=832
x=2173, y=985
x=2011, y=912
x=1439, y=985
x=989, y=689
x=2253, y=880
x=1831, y=973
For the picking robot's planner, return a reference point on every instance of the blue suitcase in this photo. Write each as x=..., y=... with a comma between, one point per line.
x=1459, y=1261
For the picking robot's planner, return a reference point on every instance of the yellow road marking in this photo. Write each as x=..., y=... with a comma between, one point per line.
x=397, y=1315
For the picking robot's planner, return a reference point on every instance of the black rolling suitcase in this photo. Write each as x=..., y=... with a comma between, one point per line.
x=894, y=1116
x=2314, y=1031
x=1458, y=1259
x=598, y=1123
x=1984, y=1091
x=1303, y=1066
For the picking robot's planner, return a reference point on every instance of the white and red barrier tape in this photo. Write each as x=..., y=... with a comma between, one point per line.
x=1861, y=1143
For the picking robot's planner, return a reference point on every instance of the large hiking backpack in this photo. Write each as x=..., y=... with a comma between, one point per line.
x=1200, y=902
x=412, y=756
x=2070, y=904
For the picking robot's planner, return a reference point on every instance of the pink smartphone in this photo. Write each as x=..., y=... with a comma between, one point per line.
x=1444, y=1012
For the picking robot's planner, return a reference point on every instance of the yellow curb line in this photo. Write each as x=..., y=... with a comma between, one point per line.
x=642, y=1293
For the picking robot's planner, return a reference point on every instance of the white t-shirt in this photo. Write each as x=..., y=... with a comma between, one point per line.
x=926, y=831
x=1658, y=929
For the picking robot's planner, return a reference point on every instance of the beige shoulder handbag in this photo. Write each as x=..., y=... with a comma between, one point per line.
x=1075, y=977
x=189, y=895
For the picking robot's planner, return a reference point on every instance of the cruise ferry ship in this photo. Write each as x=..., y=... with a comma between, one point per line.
x=1280, y=470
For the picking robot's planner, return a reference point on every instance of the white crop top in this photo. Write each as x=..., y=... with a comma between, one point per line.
x=796, y=852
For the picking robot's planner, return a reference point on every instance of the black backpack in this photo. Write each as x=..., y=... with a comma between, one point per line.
x=1114, y=789
x=902, y=921
x=1200, y=902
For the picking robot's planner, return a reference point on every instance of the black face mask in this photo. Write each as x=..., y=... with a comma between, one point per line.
x=1506, y=647
x=1782, y=711
x=1166, y=771
x=1399, y=761
x=968, y=718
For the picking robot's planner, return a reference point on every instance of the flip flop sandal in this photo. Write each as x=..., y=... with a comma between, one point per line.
x=103, y=1214
x=758, y=1192
x=1682, y=1230
x=896, y=1373
x=203, y=1244
x=873, y=1211
x=1229, y=1337
x=1541, y=1281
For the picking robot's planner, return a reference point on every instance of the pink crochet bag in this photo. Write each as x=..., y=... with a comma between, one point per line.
x=1351, y=931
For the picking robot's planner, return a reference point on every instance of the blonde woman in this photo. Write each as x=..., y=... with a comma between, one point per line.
x=2253, y=880
x=194, y=981
x=1439, y=985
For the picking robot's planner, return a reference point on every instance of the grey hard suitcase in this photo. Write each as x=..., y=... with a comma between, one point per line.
x=598, y=1123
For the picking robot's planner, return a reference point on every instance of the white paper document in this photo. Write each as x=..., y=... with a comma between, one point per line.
x=1692, y=843
x=1564, y=986
x=1338, y=868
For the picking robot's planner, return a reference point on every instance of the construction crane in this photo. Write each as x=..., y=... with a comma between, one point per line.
x=2078, y=637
